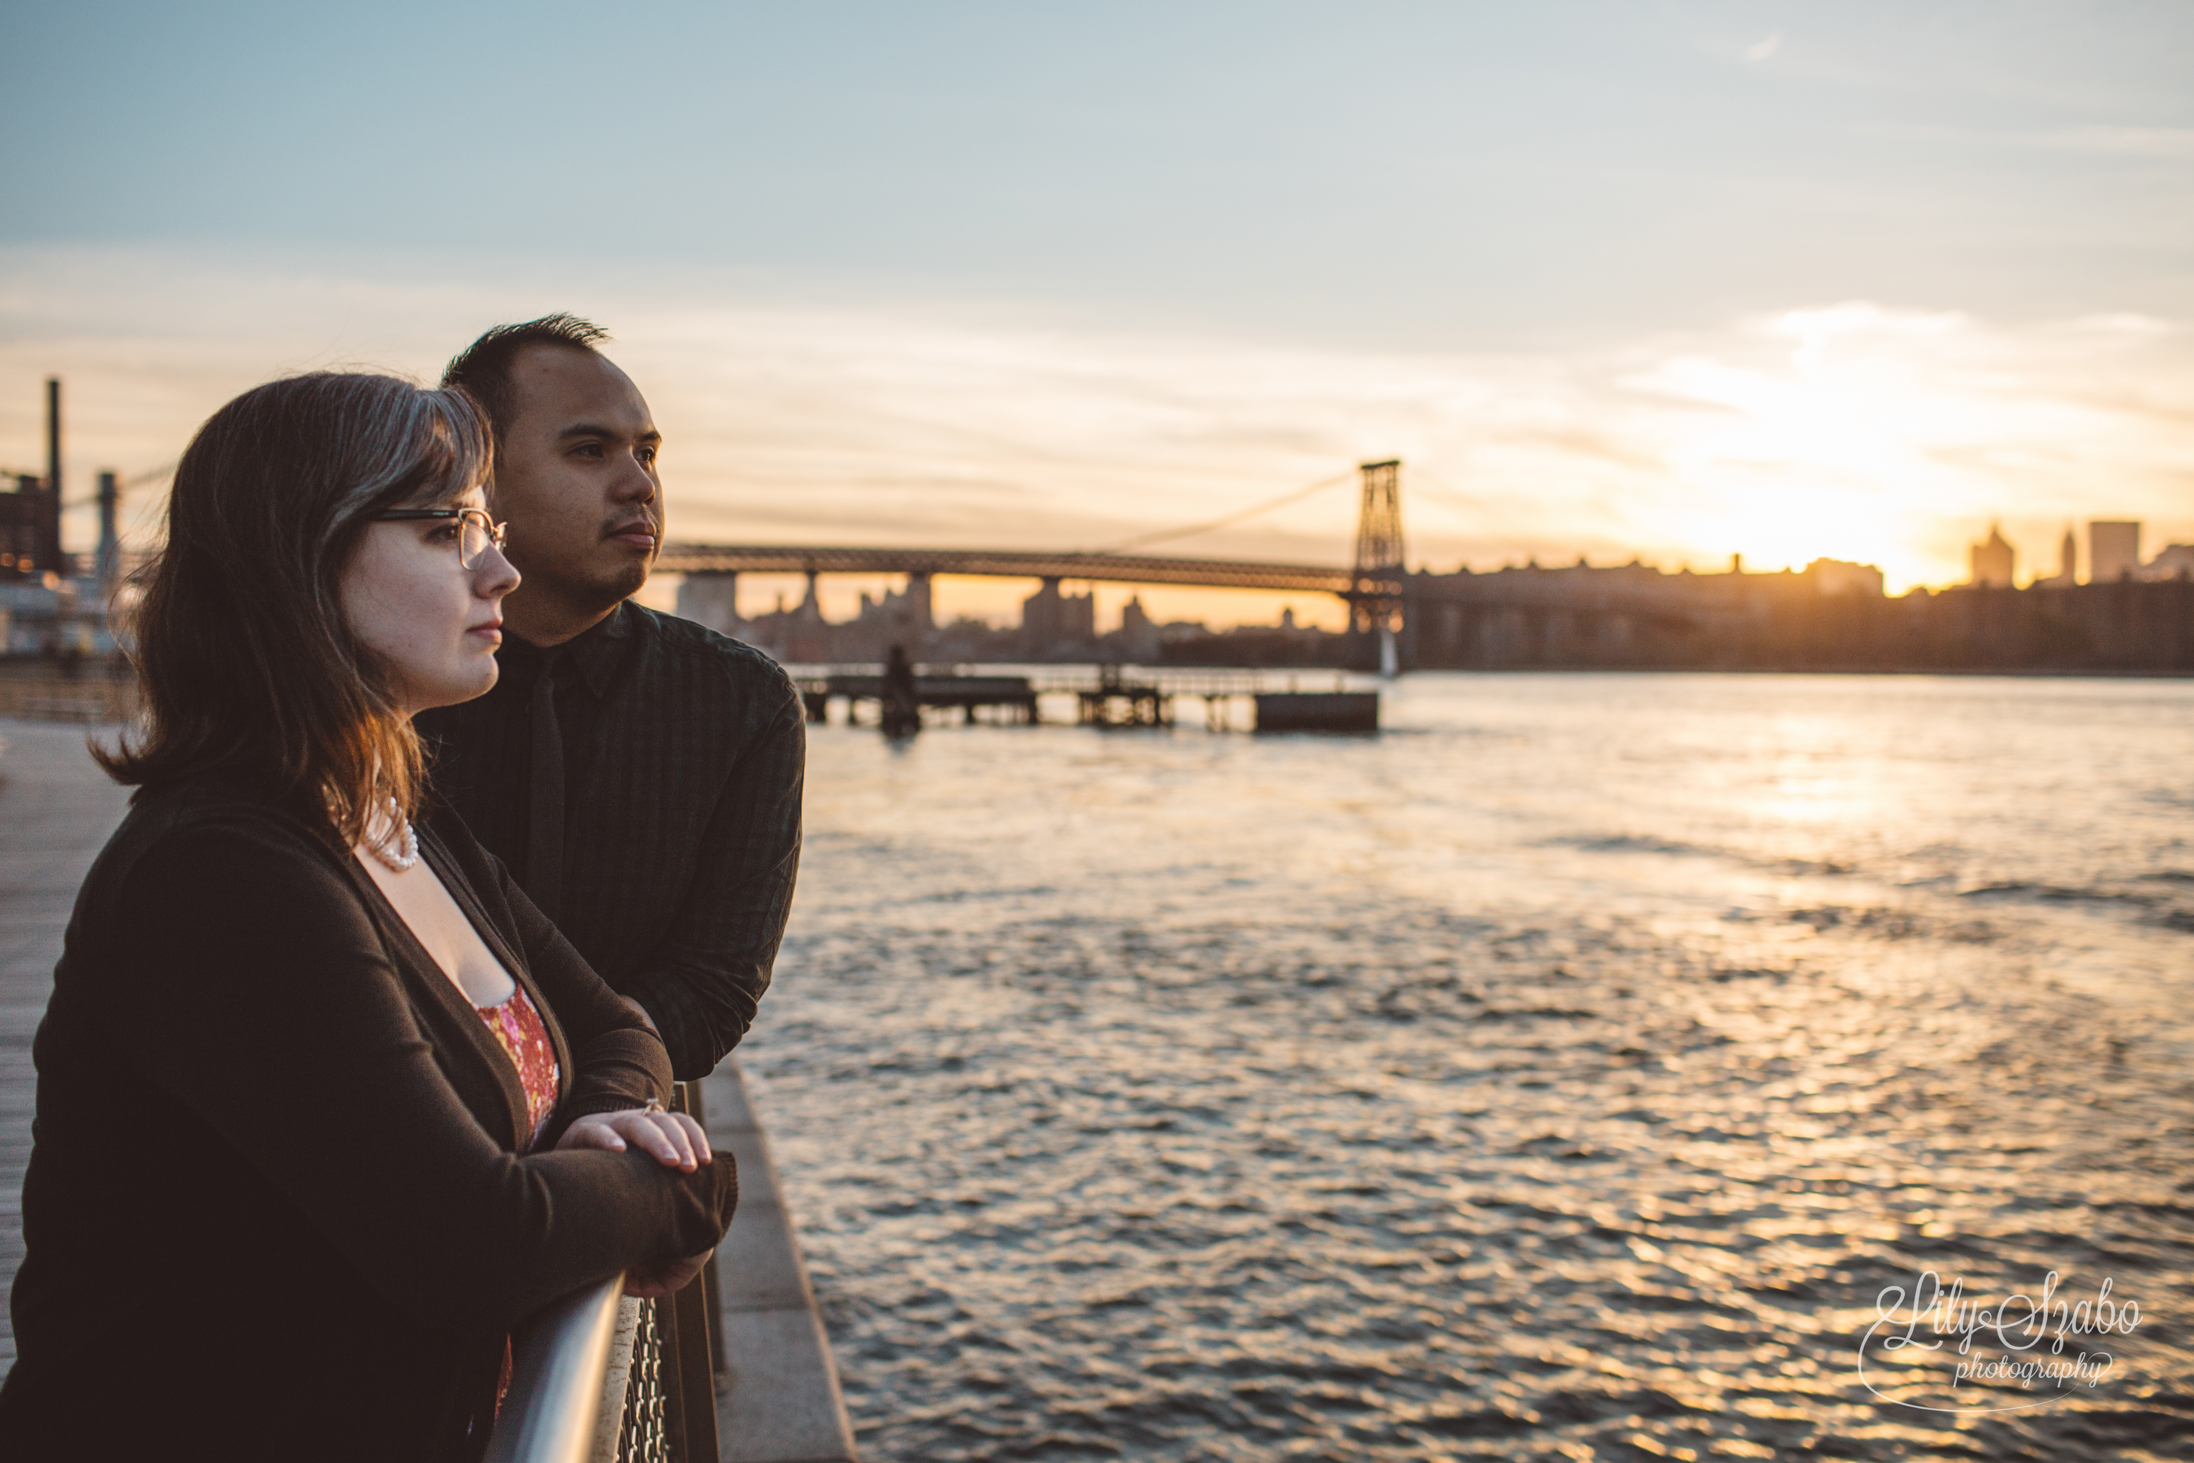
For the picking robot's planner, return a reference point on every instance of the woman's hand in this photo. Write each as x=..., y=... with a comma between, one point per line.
x=657, y=1282
x=675, y=1139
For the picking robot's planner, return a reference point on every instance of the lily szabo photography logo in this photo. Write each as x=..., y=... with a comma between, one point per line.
x=1941, y=1351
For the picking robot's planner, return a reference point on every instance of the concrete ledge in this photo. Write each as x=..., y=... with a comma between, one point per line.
x=778, y=1401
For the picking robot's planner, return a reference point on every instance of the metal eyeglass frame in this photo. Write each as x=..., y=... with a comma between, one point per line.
x=498, y=533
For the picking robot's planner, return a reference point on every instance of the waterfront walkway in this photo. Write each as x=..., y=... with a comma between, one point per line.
x=56, y=810
x=778, y=1400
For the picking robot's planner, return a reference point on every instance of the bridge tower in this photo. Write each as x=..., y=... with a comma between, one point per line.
x=1375, y=595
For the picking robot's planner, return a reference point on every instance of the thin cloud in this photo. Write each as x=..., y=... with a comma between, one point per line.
x=1853, y=430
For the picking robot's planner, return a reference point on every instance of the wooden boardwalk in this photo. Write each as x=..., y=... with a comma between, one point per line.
x=56, y=810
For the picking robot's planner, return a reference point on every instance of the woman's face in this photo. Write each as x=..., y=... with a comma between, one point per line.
x=434, y=624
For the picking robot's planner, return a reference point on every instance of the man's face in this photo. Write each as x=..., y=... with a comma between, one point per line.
x=577, y=481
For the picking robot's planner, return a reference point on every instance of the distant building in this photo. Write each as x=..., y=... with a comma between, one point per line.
x=2176, y=562
x=1839, y=576
x=1052, y=621
x=711, y=600
x=1994, y=560
x=900, y=617
x=2113, y=551
x=22, y=514
x=1138, y=633
x=799, y=634
x=2068, y=563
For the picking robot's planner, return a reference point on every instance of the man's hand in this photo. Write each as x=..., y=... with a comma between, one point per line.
x=675, y=1139
x=656, y=1282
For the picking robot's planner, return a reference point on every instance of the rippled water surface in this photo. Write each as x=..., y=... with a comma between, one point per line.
x=1561, y=1074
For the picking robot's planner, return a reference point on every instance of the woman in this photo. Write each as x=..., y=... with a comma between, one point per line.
x=325, y=1106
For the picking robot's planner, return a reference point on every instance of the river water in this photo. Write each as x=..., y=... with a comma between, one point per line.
x=1564, y=1073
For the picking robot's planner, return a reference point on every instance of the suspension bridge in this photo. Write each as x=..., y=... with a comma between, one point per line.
x=1383, y=597
x=1372, y=585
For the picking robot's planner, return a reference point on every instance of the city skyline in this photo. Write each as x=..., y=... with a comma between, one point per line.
x=1432, y=508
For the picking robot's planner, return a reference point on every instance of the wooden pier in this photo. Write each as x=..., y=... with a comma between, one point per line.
x=1116, y=701
x=1008, y=698
x=1318, y=711
x=1108, y=697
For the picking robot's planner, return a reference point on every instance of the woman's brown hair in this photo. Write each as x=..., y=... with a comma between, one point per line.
x=243, y=656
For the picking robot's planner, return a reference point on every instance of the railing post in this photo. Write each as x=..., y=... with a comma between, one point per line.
x=692, y=1349
x=672, y=1381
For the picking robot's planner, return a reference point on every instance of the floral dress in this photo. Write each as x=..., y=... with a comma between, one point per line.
x=518, y=1030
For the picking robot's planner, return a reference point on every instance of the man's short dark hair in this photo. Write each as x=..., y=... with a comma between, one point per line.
x=482, y=369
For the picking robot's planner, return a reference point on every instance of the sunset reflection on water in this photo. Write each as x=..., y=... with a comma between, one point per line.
x=1562, y=1073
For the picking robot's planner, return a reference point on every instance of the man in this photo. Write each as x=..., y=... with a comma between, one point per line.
x=640, y=775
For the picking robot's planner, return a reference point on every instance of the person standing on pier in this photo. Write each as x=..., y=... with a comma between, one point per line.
x=326, y=1108
x=901, y=708
x=639, y=774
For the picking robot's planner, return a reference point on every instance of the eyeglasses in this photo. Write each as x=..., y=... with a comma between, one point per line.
x=474, y=529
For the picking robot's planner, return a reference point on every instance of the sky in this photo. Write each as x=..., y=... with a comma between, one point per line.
x=1669, y=281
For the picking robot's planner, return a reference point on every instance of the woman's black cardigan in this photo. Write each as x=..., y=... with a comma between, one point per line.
x=275, y=1207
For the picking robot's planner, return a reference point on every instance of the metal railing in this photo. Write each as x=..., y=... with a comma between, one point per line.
x=601, y=1378
x=598, y=1377
x=558, y=1365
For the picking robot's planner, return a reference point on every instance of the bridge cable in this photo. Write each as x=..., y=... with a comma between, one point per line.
x=1166, y=535
x=130, y=484
x=158, y=474
x=149, y=511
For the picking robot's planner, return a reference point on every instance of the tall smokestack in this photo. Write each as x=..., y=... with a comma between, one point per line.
x=110, y=541
x=49, y=511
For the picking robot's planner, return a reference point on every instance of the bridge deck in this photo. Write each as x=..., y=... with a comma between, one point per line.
x=1673, y=600
x=1003, y=563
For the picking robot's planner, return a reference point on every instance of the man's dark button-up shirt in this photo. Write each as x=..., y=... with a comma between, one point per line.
x=683, y=756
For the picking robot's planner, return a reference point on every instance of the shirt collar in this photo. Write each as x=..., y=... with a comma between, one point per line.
x=600, y=651
x=596, y=653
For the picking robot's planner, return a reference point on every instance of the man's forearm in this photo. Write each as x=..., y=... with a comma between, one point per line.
x=703, y=983
x=700, y=1014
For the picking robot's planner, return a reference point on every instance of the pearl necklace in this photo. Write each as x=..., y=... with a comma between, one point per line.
x=406, y=852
